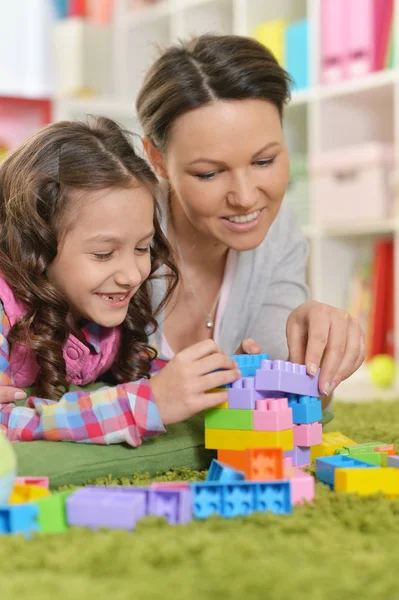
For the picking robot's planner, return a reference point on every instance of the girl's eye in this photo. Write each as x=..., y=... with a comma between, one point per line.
x=265, y=162
x=206, y=176
x=103, y=256
x=143, y=250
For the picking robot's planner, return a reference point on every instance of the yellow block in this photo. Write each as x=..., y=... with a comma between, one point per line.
x=368, y=481
x=271, y=35
x=26, y=493
x=236, y=439
x=215, y=390
x=330, y=442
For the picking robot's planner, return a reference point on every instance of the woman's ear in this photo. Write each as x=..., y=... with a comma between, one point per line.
x=155, y=157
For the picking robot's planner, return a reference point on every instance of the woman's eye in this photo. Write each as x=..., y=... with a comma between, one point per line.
x=265, y=162
x=206, y=176
x=103, y=256
x=143, y=250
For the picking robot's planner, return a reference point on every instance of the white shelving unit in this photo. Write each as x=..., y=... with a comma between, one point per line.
x=320, y=118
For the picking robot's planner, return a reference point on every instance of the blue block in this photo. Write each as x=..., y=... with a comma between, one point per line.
x=19, y=518
x=305, y=409
x=241, y=498
x=296, y=53
x=249, y=363
x=326, y=465
x=220, y=472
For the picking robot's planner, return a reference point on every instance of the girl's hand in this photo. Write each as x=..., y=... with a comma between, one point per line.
x=319, y=334
x=11, y=394
x=248, y=346
x=179, y=389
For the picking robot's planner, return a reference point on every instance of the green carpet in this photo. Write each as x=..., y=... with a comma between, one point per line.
x=343, y=547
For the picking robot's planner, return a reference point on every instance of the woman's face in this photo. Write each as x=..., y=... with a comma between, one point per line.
x=228, y=167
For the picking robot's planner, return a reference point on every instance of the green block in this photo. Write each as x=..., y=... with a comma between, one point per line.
x=359, y=449
x=52, y=517
x=229, y=418
x=375, y=458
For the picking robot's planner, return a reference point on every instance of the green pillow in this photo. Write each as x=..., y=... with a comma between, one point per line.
x=70, y=463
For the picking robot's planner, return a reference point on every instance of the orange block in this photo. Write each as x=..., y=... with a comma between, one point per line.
x=263, y=464
x=234, y=458
x=389, y=448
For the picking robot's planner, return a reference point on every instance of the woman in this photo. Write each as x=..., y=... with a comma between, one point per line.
x=211, y=110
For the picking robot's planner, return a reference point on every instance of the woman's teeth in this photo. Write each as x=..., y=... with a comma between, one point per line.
x=114, y=298
x=244, y=218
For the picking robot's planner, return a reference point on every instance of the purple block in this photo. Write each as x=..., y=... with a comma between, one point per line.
x=282, y=376
x=108, y=507
x=242, y=394
x=173, y=504
x=393, y=461
x=300, y=455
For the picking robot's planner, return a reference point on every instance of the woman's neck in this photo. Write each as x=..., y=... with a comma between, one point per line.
x=196, y=248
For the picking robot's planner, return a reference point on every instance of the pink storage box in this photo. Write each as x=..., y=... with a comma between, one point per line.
x=333, y=40
x=352, y=184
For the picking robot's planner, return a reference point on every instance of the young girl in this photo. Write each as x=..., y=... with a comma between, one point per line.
x=80, y=241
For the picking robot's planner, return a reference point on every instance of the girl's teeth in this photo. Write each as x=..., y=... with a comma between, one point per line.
x=244, y=218
x=117, y=298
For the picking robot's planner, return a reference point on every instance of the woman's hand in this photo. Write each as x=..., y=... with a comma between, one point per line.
x=321, y=335
x=11, y=394
x=180, y=388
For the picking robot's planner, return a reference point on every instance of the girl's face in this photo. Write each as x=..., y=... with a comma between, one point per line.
x=228, y=167
x=104, y=256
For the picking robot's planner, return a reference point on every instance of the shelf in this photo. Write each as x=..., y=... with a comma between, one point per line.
x=387, y=226
x=148, y=14
x=97, y=105
x=371, y=82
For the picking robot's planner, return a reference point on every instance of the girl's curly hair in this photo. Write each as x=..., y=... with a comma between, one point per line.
x=35, y=182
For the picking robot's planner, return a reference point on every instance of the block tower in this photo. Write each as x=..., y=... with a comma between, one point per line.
x=274, y=405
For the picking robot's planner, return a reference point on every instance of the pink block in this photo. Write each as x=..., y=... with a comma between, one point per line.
x=333, y=40
x=302, y=487
x=39, y=481
x=287, y=462
x=272, y=414
x=308, y=435
x=170, y=484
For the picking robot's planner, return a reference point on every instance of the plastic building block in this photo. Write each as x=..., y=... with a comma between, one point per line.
x=355, y=449
x=19, y=518
x=233, y=458
x=300, y=455
x=220, y=472
x=305, y=409
x=308, y=435
x=109, y=507
x=282, y=376
x=173, y=504
x=302, y=487
x=368, y=481
x=39, y=481
x=52, y=512
x=249, y=363
x=243, y=394
x=393, y=461
x=176, y=485
x=331, y=442
x=388, y=448
x=272, y=414
x=224, y=439
x=26, y=493
x=287, y=462
x=264, y=464
x=380, y=459
x=241, y=498
x=327, y=465
x=217, y=418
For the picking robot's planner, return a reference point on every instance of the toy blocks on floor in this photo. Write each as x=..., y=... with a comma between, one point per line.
x=233, y=458
x=26, y=493
x=327, y=466
x=393, y=461
x=220, y=418
x=52, y=512
x=368, y=481
x=19, y=518
x=39, y=481
x=330, y=442
x=263, y=464
x=243, y=395
x=356, y=449
x=287, y=377
x=302, y=487
x=305, y=409
x=240, y=498
x=222, y=473
x=309, y=434
x=226, y=439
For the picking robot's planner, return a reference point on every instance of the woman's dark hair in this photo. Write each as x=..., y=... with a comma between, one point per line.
x=35, y=185
x=207, y=68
